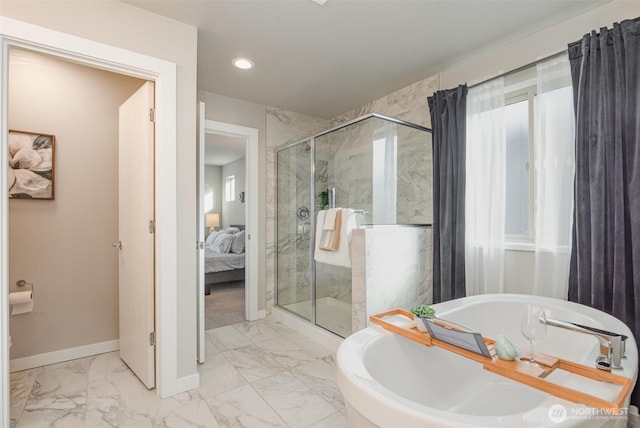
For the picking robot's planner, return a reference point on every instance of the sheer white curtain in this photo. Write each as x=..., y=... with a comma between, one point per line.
x=485, y=189
x=555, y=170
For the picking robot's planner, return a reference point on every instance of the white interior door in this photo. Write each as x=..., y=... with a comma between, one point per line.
x=136, y=234
x=200, y=231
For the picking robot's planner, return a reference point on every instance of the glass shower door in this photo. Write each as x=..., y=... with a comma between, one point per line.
x=343, y=172
x=294, y=229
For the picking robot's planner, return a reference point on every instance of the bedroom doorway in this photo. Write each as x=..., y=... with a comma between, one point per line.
x=227, y=225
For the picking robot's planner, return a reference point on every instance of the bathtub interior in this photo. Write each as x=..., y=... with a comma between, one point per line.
x=389, y=378
x=503, y=317
x=445, y=381
x=442, y=380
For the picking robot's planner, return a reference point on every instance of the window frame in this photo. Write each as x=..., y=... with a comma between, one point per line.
x=526, y=242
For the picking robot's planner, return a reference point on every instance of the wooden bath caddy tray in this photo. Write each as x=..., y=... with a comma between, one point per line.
x=518, y=370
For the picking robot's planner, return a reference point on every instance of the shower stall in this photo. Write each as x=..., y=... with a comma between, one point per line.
x=379, y=167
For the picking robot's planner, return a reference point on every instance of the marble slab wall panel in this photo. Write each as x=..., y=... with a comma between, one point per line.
x=333, y=281
x=392, y=269
x=415, y=177
x=293, y=238
x=358, y=281
x=282, y=128
x=348, y=152
x=408, y=104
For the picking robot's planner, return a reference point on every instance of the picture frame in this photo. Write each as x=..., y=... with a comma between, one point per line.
x=31, y=165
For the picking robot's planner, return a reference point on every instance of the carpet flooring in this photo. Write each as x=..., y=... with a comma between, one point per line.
x=225, y=305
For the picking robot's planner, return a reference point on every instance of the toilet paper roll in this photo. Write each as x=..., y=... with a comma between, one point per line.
x=21, y=302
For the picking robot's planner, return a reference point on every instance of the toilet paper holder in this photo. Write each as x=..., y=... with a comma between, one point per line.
x=21, y=283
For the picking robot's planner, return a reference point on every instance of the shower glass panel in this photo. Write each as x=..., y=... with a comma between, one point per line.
x=294, y=229
x=382, y=170
x=379, y=167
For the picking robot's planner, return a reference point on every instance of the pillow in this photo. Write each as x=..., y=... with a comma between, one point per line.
x=210, y=238
x=238, y=243
x=230, y=230
x=222, y=243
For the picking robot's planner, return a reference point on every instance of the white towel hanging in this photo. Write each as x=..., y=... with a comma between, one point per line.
x=342, y=257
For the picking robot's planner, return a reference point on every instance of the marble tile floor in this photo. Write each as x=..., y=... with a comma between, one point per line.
x=257, y=374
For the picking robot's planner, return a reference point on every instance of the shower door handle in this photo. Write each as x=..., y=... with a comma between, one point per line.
x=117, y=245
x=304, y=230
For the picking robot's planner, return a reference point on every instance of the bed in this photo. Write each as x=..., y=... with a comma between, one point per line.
x=224, y=261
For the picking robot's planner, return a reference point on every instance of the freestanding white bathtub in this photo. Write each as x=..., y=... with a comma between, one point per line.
x=390, y=381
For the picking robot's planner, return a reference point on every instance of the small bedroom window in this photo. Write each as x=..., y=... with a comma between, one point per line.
x=230, y=188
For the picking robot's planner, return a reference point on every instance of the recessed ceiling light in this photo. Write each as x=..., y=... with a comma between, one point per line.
x=243, y=63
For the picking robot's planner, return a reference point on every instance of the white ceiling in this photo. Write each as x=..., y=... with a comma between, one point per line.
x=327, y=60
x=220, y=150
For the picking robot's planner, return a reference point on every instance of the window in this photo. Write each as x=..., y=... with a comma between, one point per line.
x=519, y=175
x=230, y=188
x=208, y=199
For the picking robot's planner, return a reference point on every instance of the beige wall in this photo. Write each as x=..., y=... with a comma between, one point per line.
x=539, y=45
x=64, y=246
x=118, y=24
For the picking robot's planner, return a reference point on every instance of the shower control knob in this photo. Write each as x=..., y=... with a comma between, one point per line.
x=302, y=213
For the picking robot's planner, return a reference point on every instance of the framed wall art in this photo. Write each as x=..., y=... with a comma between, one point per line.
x=31, y=165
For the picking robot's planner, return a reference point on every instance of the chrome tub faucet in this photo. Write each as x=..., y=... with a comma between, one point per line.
x=612, y=345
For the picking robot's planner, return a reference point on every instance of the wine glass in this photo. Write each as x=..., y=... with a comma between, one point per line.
x=533, y=327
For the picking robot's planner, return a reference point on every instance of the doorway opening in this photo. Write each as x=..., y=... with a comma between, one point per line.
x=121, y=61
x=63, y=246
x=227, y=225
x=225, y=229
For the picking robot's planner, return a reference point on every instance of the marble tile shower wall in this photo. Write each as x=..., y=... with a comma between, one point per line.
x=349, y=160
x=294, y=242
x=283, y=127
x=415, y=177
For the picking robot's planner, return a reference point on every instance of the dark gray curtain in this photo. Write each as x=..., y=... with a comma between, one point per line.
x=605, y=260
x=449, y=123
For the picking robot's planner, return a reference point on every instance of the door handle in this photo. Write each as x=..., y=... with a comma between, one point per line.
x=117, y=245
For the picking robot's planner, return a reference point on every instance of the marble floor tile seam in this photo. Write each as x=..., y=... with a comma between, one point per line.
x=294, y=402
x=251, y=331
x=213, y=412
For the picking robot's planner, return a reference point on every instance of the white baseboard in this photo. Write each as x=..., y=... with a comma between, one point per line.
x=62, y=355
x=187, y=383
x=316, y=333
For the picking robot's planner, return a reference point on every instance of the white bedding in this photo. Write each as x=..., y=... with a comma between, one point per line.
x=216, y=262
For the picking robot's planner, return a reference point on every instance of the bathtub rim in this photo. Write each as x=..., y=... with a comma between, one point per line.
x=362, y=391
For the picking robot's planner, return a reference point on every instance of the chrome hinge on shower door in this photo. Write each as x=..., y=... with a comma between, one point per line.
x=152, y=115
x=152, y=226
x=152, y=338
